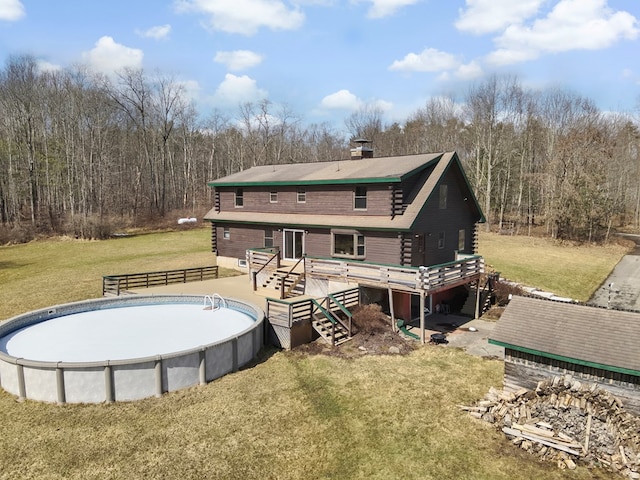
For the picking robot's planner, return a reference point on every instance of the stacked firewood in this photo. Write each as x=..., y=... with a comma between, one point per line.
x=568, y=422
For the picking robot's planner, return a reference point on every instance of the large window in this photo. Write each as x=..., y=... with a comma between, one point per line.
x=302, y=195
x=360, y=198
x=443, y=197
x=239, y=197
x=268, y=238
x=349, y=245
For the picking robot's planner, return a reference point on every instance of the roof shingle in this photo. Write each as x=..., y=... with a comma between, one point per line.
x=590, y=334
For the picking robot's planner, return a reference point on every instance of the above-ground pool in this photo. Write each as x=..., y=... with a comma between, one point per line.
x=126, y=348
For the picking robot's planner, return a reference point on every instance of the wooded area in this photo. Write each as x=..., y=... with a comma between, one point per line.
x=84, y=154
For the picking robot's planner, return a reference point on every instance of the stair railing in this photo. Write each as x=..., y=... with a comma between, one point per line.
x=284, y=293
x=328, y=314
x=349, y=315
x=254, y=275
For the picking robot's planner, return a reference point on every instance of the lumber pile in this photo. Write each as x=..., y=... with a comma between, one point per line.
x=568, y=422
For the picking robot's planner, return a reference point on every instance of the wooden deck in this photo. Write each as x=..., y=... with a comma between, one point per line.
x=426, y=280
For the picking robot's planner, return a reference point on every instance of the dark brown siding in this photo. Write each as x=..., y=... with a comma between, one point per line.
x=433, y=220
x=241, y=238
x=323, y=199
x=380, y=247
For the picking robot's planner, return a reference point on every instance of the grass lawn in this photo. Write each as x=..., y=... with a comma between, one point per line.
x=568, y=271
x=289, y=416
x=43, y=273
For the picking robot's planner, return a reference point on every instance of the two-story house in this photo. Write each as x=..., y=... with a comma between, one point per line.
x=398, y=215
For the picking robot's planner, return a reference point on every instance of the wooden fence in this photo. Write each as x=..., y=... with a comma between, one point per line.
x=117, y=284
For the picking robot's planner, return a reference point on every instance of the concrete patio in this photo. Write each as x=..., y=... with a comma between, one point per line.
x=458, y=329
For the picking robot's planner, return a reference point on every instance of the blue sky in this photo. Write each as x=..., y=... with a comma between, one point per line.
x=325, y=59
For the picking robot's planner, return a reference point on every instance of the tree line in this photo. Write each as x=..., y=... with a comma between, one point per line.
x=82, y=153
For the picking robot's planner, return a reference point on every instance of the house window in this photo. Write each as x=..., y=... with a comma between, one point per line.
x=443, y=197
x=461, y=240
x=273, y=197
x=441, y=240
x=239, y=197
x=226, y=234
x=360, y=245
x=268, y=238
x=360, y=198
x=302, y=195
x=348, y=245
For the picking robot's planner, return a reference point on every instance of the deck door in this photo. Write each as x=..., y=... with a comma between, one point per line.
x=293, y=244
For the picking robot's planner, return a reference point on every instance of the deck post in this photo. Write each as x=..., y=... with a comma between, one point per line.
x=477, y=312
x=393, y=316
x=422, y=317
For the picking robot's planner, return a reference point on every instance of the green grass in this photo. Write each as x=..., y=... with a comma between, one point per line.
x=43, y=273
x=289, y=416
x=566, y=270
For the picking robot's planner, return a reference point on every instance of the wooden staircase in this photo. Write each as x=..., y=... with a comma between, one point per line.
x=332, y=319
x=469, y=307
x=293, y=282
x=325, y=328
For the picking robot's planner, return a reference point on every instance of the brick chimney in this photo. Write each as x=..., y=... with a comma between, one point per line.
x=361, y=151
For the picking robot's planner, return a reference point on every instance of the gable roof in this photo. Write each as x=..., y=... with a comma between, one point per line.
x=591, y=336
x=370, y=170
x=367, y=170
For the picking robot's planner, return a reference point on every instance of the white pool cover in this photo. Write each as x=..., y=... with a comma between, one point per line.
x=123, y=333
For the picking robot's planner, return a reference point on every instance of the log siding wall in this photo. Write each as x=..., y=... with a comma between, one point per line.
x=380, y=247
x=434, y=220
x=325, y=199
x=526, y=370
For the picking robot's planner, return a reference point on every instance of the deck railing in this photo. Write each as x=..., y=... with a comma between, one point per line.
x=116, y=284
x=428, y=279
x=288, y=312
x=260, y=259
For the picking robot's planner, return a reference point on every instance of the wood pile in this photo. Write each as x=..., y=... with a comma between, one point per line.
x=568, y=422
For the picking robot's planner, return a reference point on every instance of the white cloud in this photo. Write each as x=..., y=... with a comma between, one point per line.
x=469, y=71
x=235, y=90
x=484, y=16
x=385, y=8
x=191, y=89
x=11, y=10
x=571, y=25
x=157, y=33
x=109, y=57
x=430, y=60
x=245, y=17
x=383, y=105
x=238, y=59
x=45, y=66
x=341, y=100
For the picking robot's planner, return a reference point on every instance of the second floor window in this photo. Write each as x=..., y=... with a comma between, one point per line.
x=302, y=195
x=360, y=198
x=239, y=197
x=443, y=197
x=273, y=197
x=461, y=240
x=226, y=234
x=441, y=240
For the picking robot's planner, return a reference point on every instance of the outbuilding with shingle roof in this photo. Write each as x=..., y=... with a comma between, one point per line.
x=544, y=338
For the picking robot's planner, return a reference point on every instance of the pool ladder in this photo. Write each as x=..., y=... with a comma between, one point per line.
x=209, y=302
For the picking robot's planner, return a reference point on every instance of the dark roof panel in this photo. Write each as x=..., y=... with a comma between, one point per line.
x=588, y=334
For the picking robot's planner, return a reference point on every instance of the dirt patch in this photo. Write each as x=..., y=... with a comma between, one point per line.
x=371, y=335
